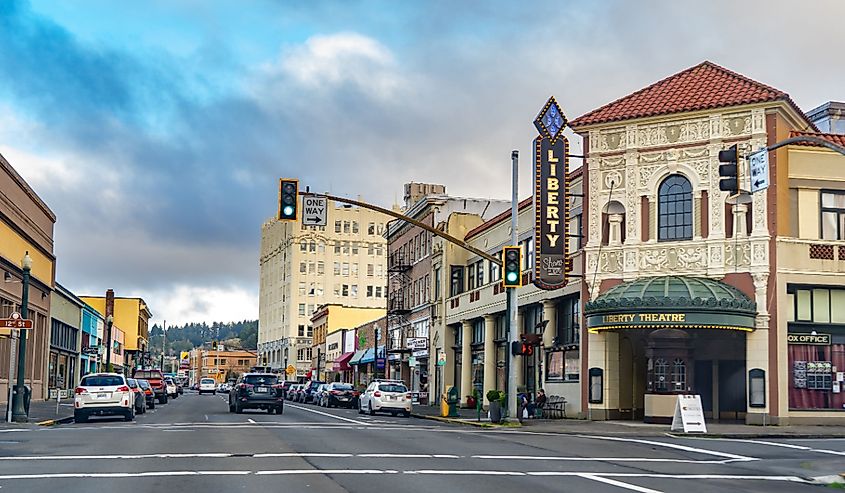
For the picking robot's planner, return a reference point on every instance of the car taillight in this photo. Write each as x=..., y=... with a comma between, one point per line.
x=376, y=394
x=355, y=393
x=80, y=390
x=123, y=389
x=245, y=386
x=336, y=392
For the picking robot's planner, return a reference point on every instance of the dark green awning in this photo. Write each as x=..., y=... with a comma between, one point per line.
x=676, y=302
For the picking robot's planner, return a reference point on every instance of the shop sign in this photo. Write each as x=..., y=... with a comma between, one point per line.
x=551, y=199
x=441, y=359
x=689, y=415
x=417, y=343
x=421, y=354
x=808, y=338
x=681, y=320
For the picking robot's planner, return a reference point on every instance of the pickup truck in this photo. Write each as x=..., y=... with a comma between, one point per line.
x=156, y=379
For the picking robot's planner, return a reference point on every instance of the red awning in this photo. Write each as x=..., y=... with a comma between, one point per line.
x=342, y=362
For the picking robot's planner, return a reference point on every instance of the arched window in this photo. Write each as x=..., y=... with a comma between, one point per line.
x=679, y=375
x=674, y=198
x=661, y=375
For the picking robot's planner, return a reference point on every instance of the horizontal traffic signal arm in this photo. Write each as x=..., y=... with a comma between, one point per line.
x=394, y=214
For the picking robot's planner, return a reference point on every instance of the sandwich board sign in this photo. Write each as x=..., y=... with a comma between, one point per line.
x=314, y=211
x=689, y=415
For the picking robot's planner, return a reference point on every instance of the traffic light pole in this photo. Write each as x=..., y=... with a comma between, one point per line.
x=513, y=331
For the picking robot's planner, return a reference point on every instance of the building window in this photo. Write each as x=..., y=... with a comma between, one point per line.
x=355, y=227
x=337, y=268
x=479, y=273
x=354, y=291
x=437, y=283
x=371, y=229
x=457, y=283
x=321, y=267
x=346, y=226
x=478, y=331
x=679, y=375
x=337, y=226
x=661, y=375
x=833, y=215
x=471, y=277
x=562, y=366
x=303, y=267
x=675, y=209
x=301, y=331
x=568, y=321
x=371, y=249
x=303, y=246
x=495, y=272
x=378, y=291
x=370, y=270
x=369, y=291
x=302, y=309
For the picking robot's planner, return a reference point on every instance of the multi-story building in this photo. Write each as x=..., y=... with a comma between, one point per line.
x=132, y=316
x=92, y=337
x=689, y=290
x=334, y=330
x=474, y=336
x=304, y=267
x=26, y=227
x=369, y=357
x=220, y=365
x=409, y=310
x=65, y=340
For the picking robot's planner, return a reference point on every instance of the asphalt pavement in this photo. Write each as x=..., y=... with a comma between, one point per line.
x=194, y=444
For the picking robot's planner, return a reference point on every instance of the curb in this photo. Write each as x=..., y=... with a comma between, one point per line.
x=57, y=421
x=740, y=436
x=462, y=421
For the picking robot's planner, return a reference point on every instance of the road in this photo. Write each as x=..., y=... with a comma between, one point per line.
x=193, y=444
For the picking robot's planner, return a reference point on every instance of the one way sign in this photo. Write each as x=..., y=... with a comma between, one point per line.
x=313, y=211
x=758, y=163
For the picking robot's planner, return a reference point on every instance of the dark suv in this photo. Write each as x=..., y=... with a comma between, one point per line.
x=309, y=392
x=257, y=391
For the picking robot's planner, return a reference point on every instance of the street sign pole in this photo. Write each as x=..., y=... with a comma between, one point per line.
x=513, y=334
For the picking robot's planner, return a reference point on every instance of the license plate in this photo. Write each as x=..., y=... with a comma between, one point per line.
x=103, y=395
x=261, y=389
x=343, y=398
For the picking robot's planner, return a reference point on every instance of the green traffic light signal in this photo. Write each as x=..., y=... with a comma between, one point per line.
x=288, y=195
x=511, y=268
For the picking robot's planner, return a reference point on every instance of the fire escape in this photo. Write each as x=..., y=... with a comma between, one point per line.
x=398, y=300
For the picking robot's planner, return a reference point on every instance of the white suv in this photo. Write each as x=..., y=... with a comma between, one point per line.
x=208, y=385
x=386, y=396
x=103, y=394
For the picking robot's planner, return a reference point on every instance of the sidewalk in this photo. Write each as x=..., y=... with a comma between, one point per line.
x=635, y=428
x=44, y=412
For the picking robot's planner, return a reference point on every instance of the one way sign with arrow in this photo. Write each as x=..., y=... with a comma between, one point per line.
x=314, y=211
x=758, y=163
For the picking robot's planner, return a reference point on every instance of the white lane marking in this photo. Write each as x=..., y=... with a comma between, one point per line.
x=777, y=444
x=251, y=421
x=79, y=475
x=329, y=415
x=302, y=454
x=669, y=445
x=326, y=471
x=605, y=459
x=448, y=472
x=210, y=455
x=619, y=484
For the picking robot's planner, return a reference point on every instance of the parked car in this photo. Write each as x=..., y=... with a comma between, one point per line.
x=156, y=379
x=257, y=391
x=292, y=391
x=103, y=394
x=172, y=390
x=149, y=395
x=208, y=386
x=309, y=391
x=337, y=395
x=386, y=396
x=224, y=388
x=139, y=398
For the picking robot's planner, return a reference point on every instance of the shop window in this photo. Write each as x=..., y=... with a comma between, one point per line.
x=661, y=375
x=674, y=209
x=478, y=331
x=679, y=375
x=569, y=321
x=562, y=366
x=833, y=215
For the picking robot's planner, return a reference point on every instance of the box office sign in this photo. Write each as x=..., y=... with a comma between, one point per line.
x=808, y=338
x=551, y=199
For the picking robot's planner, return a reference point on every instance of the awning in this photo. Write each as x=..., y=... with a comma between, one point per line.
x=342, y=362
x=368, y=357
x=356, y=358
x=671, y=302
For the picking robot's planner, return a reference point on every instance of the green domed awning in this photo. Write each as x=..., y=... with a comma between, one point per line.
x=676, y=302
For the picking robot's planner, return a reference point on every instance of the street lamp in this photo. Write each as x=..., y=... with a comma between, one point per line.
x=19, y=411
x=109, y=322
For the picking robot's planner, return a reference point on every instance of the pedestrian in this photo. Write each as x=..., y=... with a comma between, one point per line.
x=522, y=400
x=539, y=403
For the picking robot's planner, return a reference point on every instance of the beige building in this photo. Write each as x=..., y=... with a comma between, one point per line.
x=220, y=365
x=687, y=291
x=304, y=267
x=334, y=338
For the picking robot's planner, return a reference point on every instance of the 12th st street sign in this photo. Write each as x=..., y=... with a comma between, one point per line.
x=551, y=199
x=314, y=211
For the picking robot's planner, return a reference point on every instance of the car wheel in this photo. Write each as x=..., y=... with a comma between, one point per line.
x=372, y=411
x=271, y=410
x=238, y=409
x=360, y=407
x=280, y=410
x=153, y=404
x=80, y=417
x=231, y=407
x=130, y=415
x=407, y=414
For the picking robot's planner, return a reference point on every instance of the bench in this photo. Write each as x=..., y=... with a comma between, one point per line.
x=555, y=408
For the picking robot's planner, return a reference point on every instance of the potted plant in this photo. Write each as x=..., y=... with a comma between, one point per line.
x=494, y=397
x=472, y=400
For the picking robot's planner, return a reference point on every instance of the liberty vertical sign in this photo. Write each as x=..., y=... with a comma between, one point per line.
x=551, y=199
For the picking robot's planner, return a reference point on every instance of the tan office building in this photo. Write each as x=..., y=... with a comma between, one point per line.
x=304, y=267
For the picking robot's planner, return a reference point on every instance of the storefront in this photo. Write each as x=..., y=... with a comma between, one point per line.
x=816, y=345
x=658, y=337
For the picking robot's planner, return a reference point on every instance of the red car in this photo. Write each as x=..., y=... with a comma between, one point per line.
x=156, y=379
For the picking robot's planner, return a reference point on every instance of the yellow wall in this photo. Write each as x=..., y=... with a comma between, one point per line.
x=343, y=317
x=812, y=169
x=13, y=247
x=127, y=315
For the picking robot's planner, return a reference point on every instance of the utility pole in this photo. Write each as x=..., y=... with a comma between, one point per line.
x=513, y=333
x=19, y=408
x=163, y=343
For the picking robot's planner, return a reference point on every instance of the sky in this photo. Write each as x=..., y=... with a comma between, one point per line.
x=157, y=130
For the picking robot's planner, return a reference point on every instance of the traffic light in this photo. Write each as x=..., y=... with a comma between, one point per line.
x=729, y=170
x=512, y=266
x=522, y=349
x=288, y=199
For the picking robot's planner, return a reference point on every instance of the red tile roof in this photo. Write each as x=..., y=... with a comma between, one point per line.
x=701, y=87
x=837, y=139
x=498, y=219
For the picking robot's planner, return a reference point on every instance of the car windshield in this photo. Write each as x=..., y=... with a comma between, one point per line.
x=146, y=374
x=143, y=384
x=342, y=386
x=207, y=380
x=392, y=387
x=132, y=383
x=101, y=381
x=170, y=381
x=261, y=379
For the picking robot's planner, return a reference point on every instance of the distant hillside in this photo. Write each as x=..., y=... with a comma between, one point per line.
x=186, y=337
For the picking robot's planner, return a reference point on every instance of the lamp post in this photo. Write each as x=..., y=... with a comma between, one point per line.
x=19, y=412
x=109, y=322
